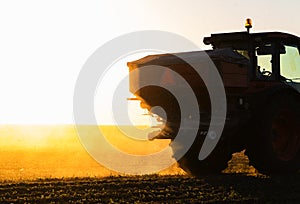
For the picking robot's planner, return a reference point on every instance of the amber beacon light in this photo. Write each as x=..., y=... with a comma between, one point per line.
x=248, y=24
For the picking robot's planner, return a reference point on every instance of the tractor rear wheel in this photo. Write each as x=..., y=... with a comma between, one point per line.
x=274, y=146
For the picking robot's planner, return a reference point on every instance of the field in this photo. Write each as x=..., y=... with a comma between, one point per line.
x=226, y=188
x=56, y=168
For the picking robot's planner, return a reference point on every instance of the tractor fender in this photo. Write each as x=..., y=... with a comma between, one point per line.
x=278, y=90
x=262, y=99
x=259, y=100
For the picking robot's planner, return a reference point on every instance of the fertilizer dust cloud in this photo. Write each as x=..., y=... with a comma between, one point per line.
x=32, y=152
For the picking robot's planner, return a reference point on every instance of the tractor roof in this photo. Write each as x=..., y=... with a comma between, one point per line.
x=226, y=39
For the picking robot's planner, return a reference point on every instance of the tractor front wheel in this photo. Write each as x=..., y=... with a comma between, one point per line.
x=213, y=164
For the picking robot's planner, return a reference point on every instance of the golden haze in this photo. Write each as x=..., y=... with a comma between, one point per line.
x=31, y=152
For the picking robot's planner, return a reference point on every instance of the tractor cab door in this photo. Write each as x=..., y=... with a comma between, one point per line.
x=290, y=66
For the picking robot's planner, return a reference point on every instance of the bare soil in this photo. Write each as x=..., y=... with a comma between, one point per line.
x=238, y=183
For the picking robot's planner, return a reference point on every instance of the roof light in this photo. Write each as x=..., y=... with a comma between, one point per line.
x=248, y=24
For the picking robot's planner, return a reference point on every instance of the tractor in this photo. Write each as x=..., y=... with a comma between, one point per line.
x=260, y=73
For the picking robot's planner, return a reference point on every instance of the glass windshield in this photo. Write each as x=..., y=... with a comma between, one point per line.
x=290, y=64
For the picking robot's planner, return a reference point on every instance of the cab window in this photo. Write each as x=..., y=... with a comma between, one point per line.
x=264, y=61
x=290, y=64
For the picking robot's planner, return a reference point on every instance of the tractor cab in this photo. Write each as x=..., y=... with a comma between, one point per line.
x=273, y=56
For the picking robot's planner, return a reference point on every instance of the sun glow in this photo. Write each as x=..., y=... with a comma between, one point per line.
x=45, y=44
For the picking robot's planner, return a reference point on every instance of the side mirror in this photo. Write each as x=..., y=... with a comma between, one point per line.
x=269, y=49
x=282, y=49
x=264, y=50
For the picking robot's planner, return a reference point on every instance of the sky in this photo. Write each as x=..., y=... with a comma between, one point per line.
x=44, y=44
